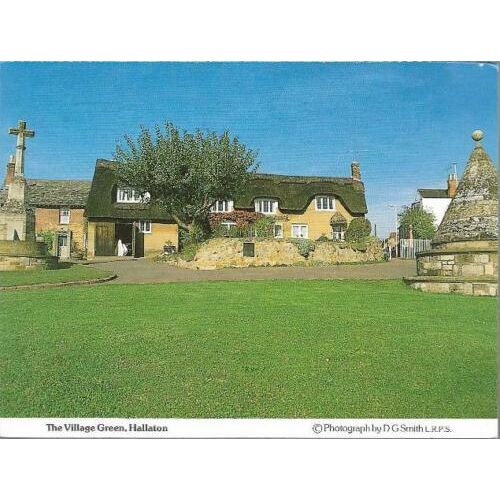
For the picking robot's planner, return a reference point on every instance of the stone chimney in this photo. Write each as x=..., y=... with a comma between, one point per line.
x=452, y=185
x=9, y=174
x=355, y=171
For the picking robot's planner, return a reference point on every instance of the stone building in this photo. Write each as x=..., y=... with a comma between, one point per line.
x=57, y=206
x=117, y=214
x=303, y=207
x=463, y=255
x=90, y=218
x=307, y=207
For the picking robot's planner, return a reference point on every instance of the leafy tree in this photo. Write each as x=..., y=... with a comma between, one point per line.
x=185, y=172
x=421, y=222
x=358, y=229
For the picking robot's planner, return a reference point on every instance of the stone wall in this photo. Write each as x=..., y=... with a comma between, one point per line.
x=219, y=253
x=20, y=263
x=469, y=264
x=464, y=287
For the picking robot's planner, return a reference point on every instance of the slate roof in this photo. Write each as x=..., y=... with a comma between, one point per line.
x=472, y=214
x=45, y=193
x=433, y=193
x=294, y=193
x=51, y=193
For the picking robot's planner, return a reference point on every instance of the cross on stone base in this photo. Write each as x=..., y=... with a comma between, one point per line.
x=21, y=133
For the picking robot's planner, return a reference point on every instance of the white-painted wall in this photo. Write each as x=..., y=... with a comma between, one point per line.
x=437, y=206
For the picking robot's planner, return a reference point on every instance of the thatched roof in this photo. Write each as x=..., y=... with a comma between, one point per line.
x=294, y=193
x=46, y=193
x=472, y=214
x=102, y=203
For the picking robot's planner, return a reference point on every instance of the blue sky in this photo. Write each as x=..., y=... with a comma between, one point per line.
x=404, y=122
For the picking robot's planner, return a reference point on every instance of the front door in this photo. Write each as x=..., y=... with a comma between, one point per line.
x=63, y=246
x=138, y=243
x=104, y=240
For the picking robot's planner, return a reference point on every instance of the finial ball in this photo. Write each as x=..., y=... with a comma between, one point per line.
x=477, y=135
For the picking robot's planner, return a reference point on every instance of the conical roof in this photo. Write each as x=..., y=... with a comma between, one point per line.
x=472, y=214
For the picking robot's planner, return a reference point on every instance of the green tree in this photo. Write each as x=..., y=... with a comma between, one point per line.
x=358, y=229
x=420, y=221
x=185, y=172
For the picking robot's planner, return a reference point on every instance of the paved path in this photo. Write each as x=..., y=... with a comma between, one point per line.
x=145, y=271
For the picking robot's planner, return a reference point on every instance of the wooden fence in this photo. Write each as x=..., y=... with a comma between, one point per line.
x=408, y=248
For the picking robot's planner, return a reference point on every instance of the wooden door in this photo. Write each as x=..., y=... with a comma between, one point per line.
x=104, y=240
x=139, y=243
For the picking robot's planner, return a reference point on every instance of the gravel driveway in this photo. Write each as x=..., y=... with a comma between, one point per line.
x=146, y=271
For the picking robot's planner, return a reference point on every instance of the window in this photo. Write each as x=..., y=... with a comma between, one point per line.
x=299, y=231
x=278, y=230
x=338, y=232
x=325, y=203
x=128, y=195
x=222, y=206
x=226, y=226
x=265, y=206
x=145, y=226
x=62, y=240
x=64, y=216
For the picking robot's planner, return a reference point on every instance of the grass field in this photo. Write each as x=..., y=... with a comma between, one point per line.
x=70, y=272
x=246, y=349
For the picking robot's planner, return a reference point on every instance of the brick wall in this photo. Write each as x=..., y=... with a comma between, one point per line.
x=47, y=219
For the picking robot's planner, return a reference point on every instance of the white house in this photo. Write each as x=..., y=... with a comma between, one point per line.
x=436, y=201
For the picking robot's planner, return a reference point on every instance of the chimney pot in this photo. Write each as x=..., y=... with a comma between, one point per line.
x=452, y=185
x=355, y=171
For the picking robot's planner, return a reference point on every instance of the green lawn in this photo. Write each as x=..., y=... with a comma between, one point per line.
x=246, y=349
x=68, y=272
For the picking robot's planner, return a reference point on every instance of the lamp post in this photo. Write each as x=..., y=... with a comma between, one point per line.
x=395, y=208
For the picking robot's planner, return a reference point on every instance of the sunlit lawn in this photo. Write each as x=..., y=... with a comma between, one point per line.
x=246, y=349
x=67, y=272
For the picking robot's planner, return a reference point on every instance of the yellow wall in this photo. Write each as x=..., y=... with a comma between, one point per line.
x=91, y=240
x=318, y=221
x=160, y=234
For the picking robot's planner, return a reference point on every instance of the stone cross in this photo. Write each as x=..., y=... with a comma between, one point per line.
x=21, y=133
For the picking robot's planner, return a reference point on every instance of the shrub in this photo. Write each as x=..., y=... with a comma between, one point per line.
x=359, y=229
x=189, y=250
x=48, y=238
x=195, y=235
x=323, y=237
x=305, y=247
x=264, y=227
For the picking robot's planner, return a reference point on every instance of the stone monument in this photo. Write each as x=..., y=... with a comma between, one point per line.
x=17, y=219
x=18, y=248
x=463, y=254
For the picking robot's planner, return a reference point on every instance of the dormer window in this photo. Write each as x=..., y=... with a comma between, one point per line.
x=325, y=203
x=266, y=206
x=129, y=195
x=222, y=206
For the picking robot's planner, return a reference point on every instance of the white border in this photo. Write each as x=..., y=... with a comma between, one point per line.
x=276, y=428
